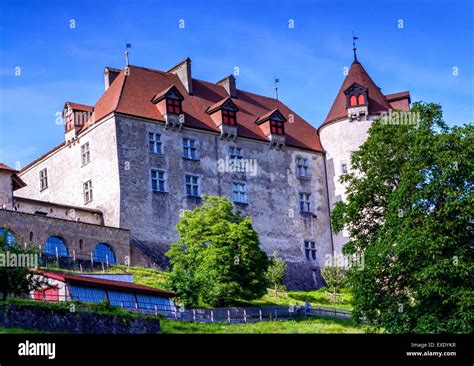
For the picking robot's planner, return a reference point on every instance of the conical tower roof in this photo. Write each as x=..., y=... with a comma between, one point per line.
x=357, y=74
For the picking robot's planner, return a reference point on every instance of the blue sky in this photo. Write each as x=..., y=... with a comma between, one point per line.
x=59, y=63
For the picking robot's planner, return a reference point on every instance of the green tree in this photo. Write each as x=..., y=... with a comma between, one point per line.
x=335, y=277
x=410, y=213
x=276, y=272
x=15, y=279
x=217, y=259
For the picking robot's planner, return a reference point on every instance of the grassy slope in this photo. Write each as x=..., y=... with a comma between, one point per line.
x=20, y=331
x=310, y=326
x=155, y=278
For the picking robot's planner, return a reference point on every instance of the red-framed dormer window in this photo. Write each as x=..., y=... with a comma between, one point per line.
x=353, y=100
x=276, y=127
x=360, y=99
x=173, y=106
x=228, y=117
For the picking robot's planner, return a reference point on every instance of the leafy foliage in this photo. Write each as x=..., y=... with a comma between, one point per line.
x=276, y=272
x=410, y=213
x=16, y=280
x=335, y=276
x=217, y=258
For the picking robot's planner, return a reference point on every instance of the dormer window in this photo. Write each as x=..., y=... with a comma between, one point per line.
x=276, y=127
x=169, y=104
x=229, y=117
x=173, y=106
x=272, y=125
x=356, y=96
x=357, y=101
x=224, y=115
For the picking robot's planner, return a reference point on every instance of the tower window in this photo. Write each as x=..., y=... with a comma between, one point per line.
x=353, y=100
x=154, y=143
x=228, y=117
x=344, y=169
x=85, y=154
x=303, y=167
x=360, y=99
x=305, y=202
x=87, y=188
x=310, y=250
x=276, y=127
x=173, y=106
x=189, y=149
x=43, y=179
x=192, y=185
x=158, y=180
x=239, y=192
x=235, y=153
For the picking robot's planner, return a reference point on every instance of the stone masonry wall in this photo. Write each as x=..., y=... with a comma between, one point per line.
x=273, y=192
x=22, y=225
x=63, y=321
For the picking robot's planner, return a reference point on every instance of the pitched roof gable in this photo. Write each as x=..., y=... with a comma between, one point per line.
x=132, y=95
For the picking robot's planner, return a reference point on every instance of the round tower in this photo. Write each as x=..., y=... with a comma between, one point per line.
x=346, y=126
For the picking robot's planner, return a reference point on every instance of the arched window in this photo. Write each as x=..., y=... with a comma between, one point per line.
x=56, y=244
x=8, y=236
x=31, y=235
x=353, y=100
x=104, y=253
x=360, y=99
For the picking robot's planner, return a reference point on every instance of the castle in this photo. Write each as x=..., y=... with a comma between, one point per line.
x=156, y=141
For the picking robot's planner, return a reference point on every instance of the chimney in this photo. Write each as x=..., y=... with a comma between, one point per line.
x=109, y=76
x=229, y=85
x=183, y=72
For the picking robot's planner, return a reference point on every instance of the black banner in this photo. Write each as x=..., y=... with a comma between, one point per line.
x=446, y=349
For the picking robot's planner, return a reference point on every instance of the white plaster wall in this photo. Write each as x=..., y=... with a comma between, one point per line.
x=66, y=175
x=340, y=139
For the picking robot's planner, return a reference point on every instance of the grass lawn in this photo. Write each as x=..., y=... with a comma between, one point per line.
x=20, y=331
x=307, y=326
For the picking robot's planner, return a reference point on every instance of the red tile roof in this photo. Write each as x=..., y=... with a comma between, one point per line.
x=132, y=95
x=17, y=181
x=6, y=167
x=377, y=101
x=99, y=282
x=219, y=104
x=80, y=107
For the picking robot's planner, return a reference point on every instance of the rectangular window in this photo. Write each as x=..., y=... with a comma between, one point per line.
x=173, y=106
x=305, y=203
x=344, y=168
x=228, y=117
x=43, y=175
x=192, y=185
x=85, y=154
x=190, y=149
x=303, y=167
x=158, y=180
x=235, y=153
x=87, y=187
x=310, y=250
x=276, y=127
x=239, y=192
x=154, y=143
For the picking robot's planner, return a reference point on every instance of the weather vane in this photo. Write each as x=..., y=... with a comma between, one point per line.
x=127, y=46
x=354, y=38
x=276, y=86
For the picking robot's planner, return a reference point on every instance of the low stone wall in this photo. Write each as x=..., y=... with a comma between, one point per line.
x=63, y=321
x=34, y=230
